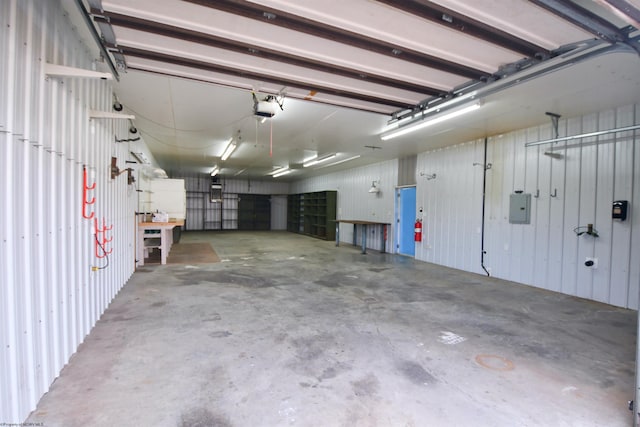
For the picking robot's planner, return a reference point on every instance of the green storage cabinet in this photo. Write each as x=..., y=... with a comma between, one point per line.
x=313, y=214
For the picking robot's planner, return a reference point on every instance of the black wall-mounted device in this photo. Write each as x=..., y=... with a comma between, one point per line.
x=619, y=209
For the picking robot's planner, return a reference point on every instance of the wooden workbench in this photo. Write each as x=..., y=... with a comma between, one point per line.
x=363, y=225
x=155, y=235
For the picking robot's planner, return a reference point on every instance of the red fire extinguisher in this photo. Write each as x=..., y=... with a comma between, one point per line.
x=417, y=236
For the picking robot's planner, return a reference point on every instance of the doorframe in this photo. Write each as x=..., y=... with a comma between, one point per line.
x=397, y=218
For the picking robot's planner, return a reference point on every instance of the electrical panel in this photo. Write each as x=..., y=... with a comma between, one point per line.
x=520, y=208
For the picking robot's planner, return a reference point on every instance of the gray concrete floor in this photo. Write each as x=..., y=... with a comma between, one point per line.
x=288, y=330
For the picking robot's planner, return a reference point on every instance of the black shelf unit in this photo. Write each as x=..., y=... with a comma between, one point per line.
x=313, y=214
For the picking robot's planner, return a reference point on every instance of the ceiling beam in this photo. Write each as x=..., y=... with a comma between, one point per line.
x=456, y=21
x=583, y=18
x=259, y=51
x=317, y=29
x=207, y=66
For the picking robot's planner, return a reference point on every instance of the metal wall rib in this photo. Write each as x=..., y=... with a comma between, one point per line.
x=49, y=296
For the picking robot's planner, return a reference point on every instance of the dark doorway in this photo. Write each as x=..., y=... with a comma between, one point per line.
x=254, y=212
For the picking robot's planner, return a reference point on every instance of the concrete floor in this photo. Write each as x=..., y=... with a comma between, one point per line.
x=288, y=330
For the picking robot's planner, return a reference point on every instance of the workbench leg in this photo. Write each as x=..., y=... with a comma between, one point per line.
x=164, y=243
x=364, y=238
x=355, y=235
x=140, y=251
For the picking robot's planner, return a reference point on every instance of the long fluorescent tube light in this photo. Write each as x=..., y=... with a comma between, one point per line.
x=282, y=169
x=458, y=99
x=340, y=161
x=215, y=170
x=318, y=160
x=429, y=121
x=227, y=152
x=284, y=172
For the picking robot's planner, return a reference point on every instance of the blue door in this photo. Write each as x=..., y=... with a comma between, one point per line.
x=405, y=220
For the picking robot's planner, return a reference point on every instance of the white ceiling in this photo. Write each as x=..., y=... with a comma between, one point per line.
x=187, y=70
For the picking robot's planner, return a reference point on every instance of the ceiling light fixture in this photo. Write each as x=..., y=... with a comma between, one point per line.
x=227, y=151
x=284, y=172
x=428, y=121
x=215, y=170
x=278, y=170
x=318, y=160
x=340, y=161
x=310, y=159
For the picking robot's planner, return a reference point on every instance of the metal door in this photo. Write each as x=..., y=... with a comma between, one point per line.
x=405, y=220
x=254, y=212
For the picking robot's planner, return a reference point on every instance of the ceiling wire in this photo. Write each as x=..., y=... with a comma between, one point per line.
x=181, y=147
x=173, y=110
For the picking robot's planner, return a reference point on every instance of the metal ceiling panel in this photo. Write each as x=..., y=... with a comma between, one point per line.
x=248, y=85
x=522, y=19
x=406, y=31
x=132, y=41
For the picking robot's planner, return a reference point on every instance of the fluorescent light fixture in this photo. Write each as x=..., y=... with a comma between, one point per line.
x=310, y=159
x=280, y=169
x=215, y=170
x=227, y=151
x=318, y=160
x=340, y=161
x=421, y=124
x=458, y=99
x=284, y=172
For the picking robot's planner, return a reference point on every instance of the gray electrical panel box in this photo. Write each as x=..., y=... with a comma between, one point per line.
x=520, y=208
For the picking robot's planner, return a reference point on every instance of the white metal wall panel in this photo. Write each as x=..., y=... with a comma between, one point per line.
x=356, y=203
x=451, y=219
x=556, y=255
x=572, y=159
x=279, y=212
x=573, y=190
x=621, y=231
x=542, y=204
x=50, y=298
x=634, y=224
x=605, y=179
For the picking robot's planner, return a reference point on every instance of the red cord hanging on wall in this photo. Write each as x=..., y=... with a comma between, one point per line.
x=85, y=189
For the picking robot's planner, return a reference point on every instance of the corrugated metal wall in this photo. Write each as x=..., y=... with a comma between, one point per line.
x=452, y=206
x=354, y=200
x=49, y=296
x=204, y=215
x=575, y=187
x=279, y=212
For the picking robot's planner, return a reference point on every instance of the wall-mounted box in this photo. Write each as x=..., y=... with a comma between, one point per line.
x=619, y=210
x=520, y=208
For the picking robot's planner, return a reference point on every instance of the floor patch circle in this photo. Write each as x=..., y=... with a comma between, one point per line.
x=494, y=362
